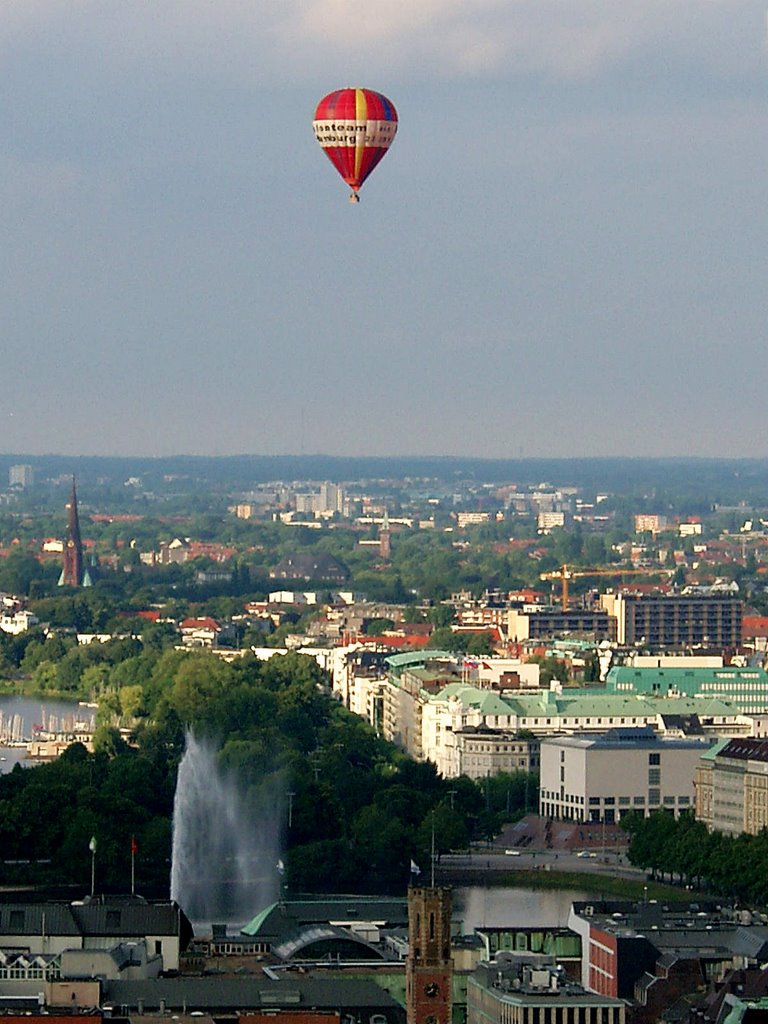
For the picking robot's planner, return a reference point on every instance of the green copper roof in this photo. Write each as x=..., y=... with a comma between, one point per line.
x=255, y=925
x=396, y=663
x=582, y=704
x=715, y=749
x=684, y=680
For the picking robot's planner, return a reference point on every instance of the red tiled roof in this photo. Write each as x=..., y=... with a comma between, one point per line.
x=204, y=623
x=398, y=642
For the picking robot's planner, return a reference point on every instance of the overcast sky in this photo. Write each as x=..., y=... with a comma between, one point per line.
x=564, y=252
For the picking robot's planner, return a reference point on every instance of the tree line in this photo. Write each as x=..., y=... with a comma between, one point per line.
x=686, y=852
x=361, y=810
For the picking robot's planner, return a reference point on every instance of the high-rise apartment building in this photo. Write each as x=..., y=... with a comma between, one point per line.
x=21, y=476
x=669, y=621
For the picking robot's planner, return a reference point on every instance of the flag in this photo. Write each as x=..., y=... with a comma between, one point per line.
x=134, y=846
x=92, y=844
x=415, y=869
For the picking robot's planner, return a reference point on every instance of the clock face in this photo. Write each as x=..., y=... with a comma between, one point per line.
x=431, y=989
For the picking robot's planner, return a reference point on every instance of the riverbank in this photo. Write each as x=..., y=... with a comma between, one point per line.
x=26, y=688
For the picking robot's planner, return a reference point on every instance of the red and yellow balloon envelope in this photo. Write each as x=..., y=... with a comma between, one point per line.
x=355, y=127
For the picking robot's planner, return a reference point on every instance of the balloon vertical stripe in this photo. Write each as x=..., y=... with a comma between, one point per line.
x=361, y=114
x=355, y=128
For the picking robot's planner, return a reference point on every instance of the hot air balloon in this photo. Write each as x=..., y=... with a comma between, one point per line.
x=355, y=127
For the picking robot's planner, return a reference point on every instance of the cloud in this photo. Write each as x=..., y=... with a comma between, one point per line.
x=296, y=39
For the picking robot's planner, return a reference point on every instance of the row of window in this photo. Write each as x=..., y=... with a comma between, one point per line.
x=654, y=797
x=50, y=973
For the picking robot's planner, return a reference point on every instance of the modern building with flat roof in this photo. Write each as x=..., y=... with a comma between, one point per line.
x=534, y=990
x=600, y=778
x=672, y=621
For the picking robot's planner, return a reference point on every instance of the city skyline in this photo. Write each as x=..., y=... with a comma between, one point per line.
x=561, y=255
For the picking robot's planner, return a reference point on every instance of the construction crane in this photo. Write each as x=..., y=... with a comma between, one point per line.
x=565, y=573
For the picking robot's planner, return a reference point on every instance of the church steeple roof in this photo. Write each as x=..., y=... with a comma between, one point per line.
x=73, y=573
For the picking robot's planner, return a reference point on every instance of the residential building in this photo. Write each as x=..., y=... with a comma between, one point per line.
x=329, y=500
x=546, y=622
x=732, y=786
x=94, y=924
x=303, y=566
x=469, y=720
x=659, y=621
x=295, y=597
x=465, y=519
x=650, y=523
x=449, y=722
x=580, y=780
x=17, y=622
x=21, y=476
x=546, y=522
x=690, y=529
x=478, y=751
x=199, y=632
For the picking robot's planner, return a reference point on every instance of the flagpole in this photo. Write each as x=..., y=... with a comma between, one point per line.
x=134, y=851
x=432, y=856
x=92, y=848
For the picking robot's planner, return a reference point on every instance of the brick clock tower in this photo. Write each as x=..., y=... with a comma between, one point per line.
x=429, y=968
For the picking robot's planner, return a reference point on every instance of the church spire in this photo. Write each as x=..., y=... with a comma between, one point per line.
x=73, y=571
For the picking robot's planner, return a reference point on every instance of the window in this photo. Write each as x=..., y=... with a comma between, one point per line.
x=654, y=776
x=654, y=759
x=593, y=800
x=654, y=796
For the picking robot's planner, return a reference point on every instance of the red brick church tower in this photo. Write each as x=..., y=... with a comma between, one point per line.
x=73, y=570
x=429, y=968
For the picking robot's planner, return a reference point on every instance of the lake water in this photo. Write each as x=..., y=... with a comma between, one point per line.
x=20, y=715
x=475, y=907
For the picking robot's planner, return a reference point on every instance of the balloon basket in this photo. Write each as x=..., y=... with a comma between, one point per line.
x=354, y=197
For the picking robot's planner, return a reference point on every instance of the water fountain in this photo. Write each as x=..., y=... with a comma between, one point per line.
x=226, y=844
